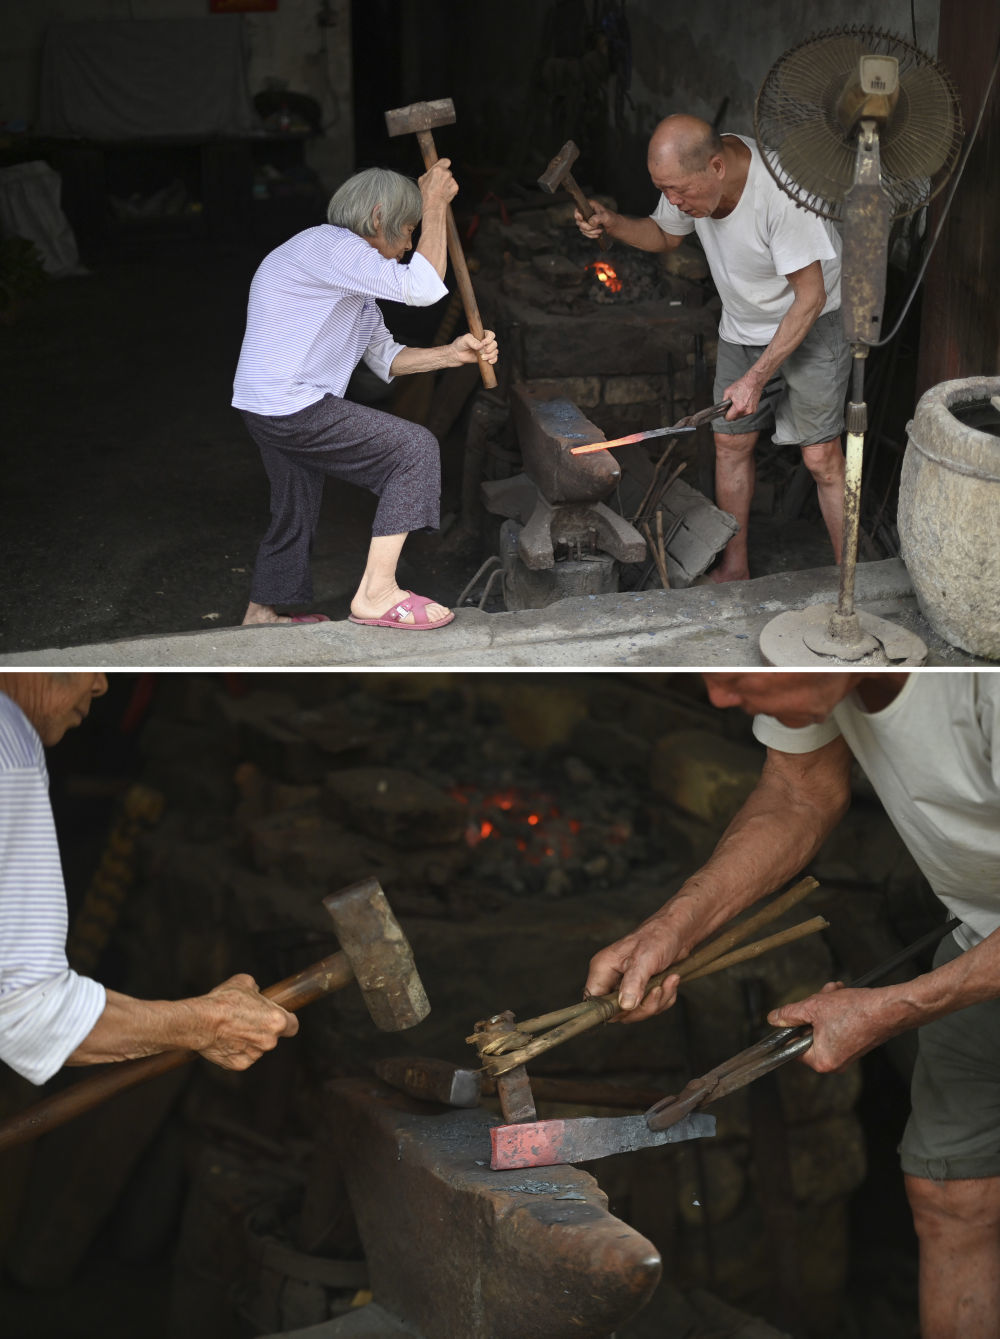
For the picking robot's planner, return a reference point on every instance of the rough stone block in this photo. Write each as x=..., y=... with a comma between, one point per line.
x=583, y=391
x=827, y=1159
x=634, y=390
x=629, y=340
x=704, y=775
x=395, y=805
x=687, y=262
x=558, y=270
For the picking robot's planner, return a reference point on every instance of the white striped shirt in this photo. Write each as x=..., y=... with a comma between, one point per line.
x=46, y=1009
x=312, y=317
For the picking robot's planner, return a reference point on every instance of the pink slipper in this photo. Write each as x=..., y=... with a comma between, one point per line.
x=396, y=616
x=309, y=618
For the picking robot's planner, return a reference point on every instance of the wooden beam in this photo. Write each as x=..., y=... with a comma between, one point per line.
x=960, y=324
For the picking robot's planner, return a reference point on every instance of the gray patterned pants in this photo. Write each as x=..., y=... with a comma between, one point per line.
x=396, y=460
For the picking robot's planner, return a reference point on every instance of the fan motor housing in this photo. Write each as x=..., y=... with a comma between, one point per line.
x=872, y=95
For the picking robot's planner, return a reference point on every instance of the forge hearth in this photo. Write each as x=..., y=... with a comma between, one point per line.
x=614, y=331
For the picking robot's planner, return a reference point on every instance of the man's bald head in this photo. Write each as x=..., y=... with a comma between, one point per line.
x=688, y=163
x=686, y=142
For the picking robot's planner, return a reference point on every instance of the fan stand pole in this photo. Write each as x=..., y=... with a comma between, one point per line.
x=844, y=623
x=825, y=634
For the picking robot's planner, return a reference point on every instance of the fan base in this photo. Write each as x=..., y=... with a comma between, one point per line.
x=805, y=637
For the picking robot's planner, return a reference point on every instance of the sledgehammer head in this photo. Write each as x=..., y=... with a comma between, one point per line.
x=558, y=170
x=420, y=116
x=379, y=954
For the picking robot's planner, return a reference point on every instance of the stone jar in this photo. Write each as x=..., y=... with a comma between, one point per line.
x=949, y=511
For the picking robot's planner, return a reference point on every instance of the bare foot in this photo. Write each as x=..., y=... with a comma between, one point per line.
x=723, y=574
x=262, y=613
x=376, y=607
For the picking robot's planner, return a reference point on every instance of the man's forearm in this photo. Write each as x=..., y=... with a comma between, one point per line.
x=795, y=325
x=848, y=1023
x=642, y=233
x=971, y=978
x=770, y=840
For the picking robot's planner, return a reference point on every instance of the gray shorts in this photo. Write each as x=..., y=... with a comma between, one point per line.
x=804, y=400
x=953, y=1133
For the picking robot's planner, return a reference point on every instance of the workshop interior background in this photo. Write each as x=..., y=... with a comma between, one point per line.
x=133, y=500
x=517, y=823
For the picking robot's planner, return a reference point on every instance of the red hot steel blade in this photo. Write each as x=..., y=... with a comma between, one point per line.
x=546, y=1143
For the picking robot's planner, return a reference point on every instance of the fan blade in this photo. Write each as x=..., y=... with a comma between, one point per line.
x=817, y=160
x=920, y=143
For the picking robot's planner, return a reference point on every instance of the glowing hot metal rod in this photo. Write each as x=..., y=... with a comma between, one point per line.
x=689, y=424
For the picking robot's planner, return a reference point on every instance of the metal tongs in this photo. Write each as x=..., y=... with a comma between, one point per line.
x=688, y=424
x=779, y=1046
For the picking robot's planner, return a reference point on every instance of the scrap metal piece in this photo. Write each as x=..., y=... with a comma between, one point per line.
x=547, y=1143
x=513, y=1088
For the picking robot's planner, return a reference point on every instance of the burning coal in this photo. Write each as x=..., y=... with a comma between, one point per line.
x=606, y=274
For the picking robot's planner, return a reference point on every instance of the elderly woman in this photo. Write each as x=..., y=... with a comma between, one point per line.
x=312, y=317
x=49, y=1015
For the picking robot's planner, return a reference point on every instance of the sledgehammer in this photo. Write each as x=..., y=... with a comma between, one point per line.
x=420, y=118
x=558, y=174
x=374, y=952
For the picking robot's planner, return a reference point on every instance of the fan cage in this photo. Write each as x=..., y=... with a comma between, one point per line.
x=805, y=146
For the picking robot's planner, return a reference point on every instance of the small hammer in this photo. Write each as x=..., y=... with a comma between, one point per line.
x=558, y=174
x=374, y=952
x=420, y=118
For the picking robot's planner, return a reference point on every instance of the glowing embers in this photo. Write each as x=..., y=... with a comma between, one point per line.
x=606, y=275
x=527, y=841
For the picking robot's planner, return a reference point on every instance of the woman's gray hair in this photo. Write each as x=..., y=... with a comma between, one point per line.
x=353, y=205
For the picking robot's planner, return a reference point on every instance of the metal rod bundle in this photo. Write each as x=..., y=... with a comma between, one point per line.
x=509, y=1049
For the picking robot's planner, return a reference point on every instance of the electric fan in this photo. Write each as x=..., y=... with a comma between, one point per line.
x=862, y=128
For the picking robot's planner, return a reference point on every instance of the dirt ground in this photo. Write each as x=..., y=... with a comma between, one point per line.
x=133, y=499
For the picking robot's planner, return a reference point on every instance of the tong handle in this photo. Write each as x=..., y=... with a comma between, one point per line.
x=773, y=1050
x=705, y=415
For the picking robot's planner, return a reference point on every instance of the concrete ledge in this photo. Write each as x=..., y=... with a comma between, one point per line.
x=703, y=625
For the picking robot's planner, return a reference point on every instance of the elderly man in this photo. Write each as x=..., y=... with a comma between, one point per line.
x=783, y=359
x=50, y=1016
x=312, y=317
x=930, y=745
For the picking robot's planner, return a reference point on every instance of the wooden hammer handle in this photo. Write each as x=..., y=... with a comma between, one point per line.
x=584, y=205
x=330, y=974
x=426, y=141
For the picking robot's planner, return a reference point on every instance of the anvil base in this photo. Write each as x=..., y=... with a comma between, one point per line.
x=456, y=1251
